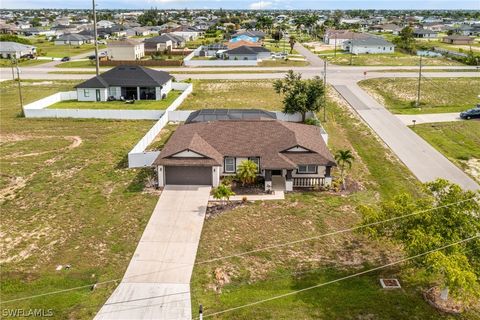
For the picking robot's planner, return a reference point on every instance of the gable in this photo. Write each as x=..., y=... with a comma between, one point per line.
x=187, y=154
x=297, y=149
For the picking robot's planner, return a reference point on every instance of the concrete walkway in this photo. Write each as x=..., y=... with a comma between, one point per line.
x=407, y=119
x=156, y=284
x=278, y=195
x=425, y=162
x=312, y=58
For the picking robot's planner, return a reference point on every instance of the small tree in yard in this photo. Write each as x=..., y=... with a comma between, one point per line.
x=345, y=160
x=405, y=39
x=292, y=41
x=447, y=215
x=247, y=172
x=300, y=95
x=223, y=192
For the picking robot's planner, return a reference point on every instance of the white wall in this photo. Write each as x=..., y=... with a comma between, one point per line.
x=126, y=52
x=91, y=94
x=187, y=61
x=372, y=49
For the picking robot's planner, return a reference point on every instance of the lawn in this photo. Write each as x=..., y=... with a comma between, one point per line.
x=222, y=94
x=283, y=63
x=161, y=139
x=395, y=59
x=66, y=198
x=437, y=94
x=77, y=64
x=459, y=141
x=117, y=105
x=228, y=283
x=7, y=63
x=49, y=49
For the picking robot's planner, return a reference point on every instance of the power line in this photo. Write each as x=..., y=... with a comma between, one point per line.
x=240, y=254
x=339, y=279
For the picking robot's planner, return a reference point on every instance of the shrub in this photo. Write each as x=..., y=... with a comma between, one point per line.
x=313, y=122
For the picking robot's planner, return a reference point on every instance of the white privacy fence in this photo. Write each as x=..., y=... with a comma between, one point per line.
x=190, y=62
x=39, y=108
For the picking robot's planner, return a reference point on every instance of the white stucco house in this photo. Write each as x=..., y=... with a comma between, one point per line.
x=247, y=53
x=73, y=39
x=16, y=50
x=128, y=49
x=369, y=45
x=129, y=82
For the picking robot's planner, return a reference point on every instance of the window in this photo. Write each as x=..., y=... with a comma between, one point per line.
x=229, y=164
x=86, y=93
x=113, y=91
x=309, y=168
x=256, y=160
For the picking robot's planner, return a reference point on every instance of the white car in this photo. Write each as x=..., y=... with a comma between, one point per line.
x=279, y=55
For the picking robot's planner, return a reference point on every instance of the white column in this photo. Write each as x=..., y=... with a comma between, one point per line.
x=138, y=93
x=215, y=176
x=161, y=176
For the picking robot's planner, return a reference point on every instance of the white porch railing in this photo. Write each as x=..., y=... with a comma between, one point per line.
x=308, y=182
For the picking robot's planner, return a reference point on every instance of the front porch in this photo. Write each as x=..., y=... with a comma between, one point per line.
x=283, y=180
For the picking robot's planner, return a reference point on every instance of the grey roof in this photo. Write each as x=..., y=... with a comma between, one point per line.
x=164, y=38
x=424, y=31
x=370, y=41
x=9, y=46
x=205, y=115
x=242, y=50
x=125, y=76
x=73, y=37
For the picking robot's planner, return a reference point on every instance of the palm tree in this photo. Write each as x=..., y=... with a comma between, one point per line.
x=292, y=41
x=247, y=172
x=344, y=159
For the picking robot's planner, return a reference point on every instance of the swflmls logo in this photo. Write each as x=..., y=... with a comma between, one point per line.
x=37, y=313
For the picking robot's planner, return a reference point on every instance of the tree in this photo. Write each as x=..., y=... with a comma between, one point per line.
x=35, y=22
x=405, y=39
x=300, y=95
x=247, y=172
x=277, y=35
x=344, y=159
x=223, y=192
x=448, y=214
x=292, y=41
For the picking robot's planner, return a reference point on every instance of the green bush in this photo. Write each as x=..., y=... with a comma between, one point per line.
x=312, y=122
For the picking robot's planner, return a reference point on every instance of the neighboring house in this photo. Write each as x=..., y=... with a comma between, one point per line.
x=424, y=34
x=141, y=31
x=250, y=33
x=128, y=49
x=129, y=82
x=457, y=39
x=287, y=154
x=186, y=32
x=368, y=45
x=338, y=37
x=16, y=50
x=387, y=28
x=212, y=50
x=8, y=28
x=105, y=24
x=247, y=53
x=236, y=44
x=73, y=39
x=166, y=41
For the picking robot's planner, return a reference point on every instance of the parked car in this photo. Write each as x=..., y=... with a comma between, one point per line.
x=65, y=59
x=279, y=55
x=28, y=56
x=471, y=114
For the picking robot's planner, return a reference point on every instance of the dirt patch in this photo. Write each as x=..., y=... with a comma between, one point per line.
x=432, y=296
x=473, y=168
x=14, y=184
x=216, y=208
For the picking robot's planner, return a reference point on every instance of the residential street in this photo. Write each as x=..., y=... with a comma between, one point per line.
x=425, y=162
x=156, y=284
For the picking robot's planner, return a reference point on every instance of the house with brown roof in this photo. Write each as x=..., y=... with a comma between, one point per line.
x=287, y=154
x=457, y=39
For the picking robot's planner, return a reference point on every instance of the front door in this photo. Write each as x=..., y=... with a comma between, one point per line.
x=276, y=172
x=97, y=93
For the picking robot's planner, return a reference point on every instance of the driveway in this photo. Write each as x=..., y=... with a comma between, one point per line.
x=424, y=161
x=407, y=119
x=156, y=284
x=314, y=60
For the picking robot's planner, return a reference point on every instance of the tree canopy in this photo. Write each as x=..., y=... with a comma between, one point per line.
x=300, y=95
x=446, y=215
x=405, y=39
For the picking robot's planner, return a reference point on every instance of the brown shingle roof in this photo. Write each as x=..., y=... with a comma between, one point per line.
x=267, y=139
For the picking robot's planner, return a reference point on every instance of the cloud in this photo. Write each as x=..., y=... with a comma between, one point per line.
x=260, y=5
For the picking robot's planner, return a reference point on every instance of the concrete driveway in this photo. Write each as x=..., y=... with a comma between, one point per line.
x=156, y=284
x=407, y=119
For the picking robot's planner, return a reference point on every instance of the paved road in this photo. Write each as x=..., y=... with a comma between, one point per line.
x=425, y=162
x=156, y=284
x=314, y=60
x=407, y=119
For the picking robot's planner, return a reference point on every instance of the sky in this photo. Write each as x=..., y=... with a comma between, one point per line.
x=244, y=4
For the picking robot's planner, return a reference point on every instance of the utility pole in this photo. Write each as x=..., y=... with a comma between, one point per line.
x=417, y=103
x=324, y=90
x=200, y=312
x=97, y=61
x=19, y=86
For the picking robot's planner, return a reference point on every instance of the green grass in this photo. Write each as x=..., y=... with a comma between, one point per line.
x=79, y=205
x=195, y=71
x=459, y=141
x=49, y=49
x=77, y=64
x=437, y=94
x=161, y=139
x=395, y=59
x=117, y=105
x=6, y=63
x=283, y=63
x=223, y=94
x=377, y=174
